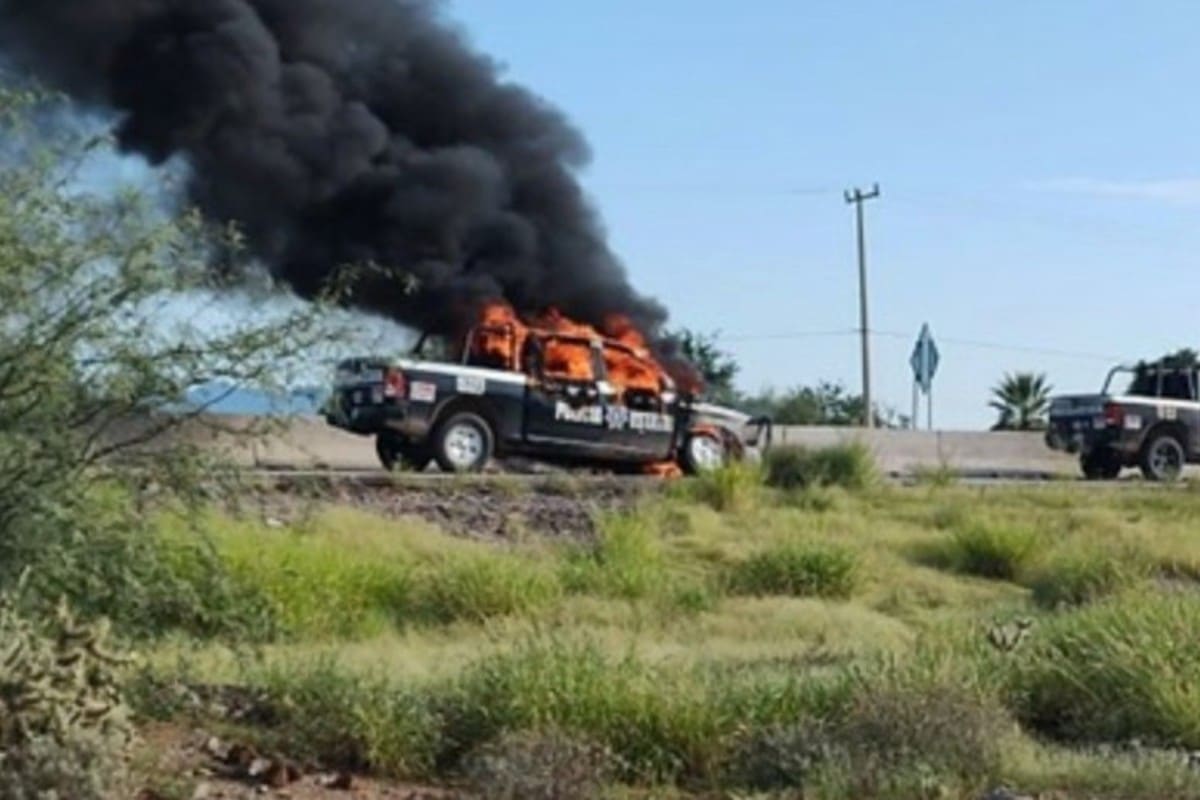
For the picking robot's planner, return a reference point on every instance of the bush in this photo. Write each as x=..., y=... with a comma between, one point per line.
x=1123, y=668
x=659, y=725
x=730, y=488
x=989, y=550
x=626, y=563
x=63, y=724
x=540, y=766
x=1080, y=576
x=850, y=466
x=939, y=477
x=816, y=499
x=322, y=713
x=798, y=569
x=891, y=738
x=89, y=358
x=317, y=588
x=477, y=588
x=338, y=585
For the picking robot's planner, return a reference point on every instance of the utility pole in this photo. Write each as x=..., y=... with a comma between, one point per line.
x=857, y=197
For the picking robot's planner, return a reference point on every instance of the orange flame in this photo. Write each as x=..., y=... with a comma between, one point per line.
x=568, y=347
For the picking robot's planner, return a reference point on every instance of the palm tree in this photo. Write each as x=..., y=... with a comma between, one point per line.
x=1022, y=400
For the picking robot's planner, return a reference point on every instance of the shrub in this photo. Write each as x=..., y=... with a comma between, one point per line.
x=1122, y=668
x=540, y=766
x=627, y=562
x=477, y=588
x=63, y=723
x=659, y=725
x=850, y=466
x=334, y=585
x=816, y=499
x=988, y=550
x=798, y=569
x=730, y=488
x=340, y=720
x=318, y=588
x=890, y=736
x=1080, y=576
x=940, y=477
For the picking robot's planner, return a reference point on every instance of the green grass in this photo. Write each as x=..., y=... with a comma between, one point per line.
x=733, y=638
x=988, y=550
x=800, y=569
x=626, y=563
x=1084, y=573
x=732, y=488
x=1118, y=670
x=849, y=466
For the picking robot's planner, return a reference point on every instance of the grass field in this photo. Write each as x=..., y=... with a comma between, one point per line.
x=733, y=639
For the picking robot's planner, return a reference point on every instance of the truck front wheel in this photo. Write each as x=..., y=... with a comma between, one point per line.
x=704, y=451
x=463, y=443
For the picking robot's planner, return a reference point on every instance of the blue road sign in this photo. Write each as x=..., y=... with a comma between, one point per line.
x=925, y=360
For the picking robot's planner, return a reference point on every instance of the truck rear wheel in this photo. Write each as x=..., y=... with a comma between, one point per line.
x=396, y=455
x=463, y=443
x=1163, y=458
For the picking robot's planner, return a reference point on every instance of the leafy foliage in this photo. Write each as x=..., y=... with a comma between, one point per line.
x=94, y=353
x=1022, y=400
x=717, y=367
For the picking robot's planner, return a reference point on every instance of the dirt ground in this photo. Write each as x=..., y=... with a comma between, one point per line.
x=175, y=763
x=503, y=508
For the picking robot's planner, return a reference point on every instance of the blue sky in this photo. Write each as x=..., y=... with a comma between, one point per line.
x=1040, y=167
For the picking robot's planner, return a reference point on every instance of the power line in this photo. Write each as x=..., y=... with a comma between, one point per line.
x=791, y=335
x=1015, y=348
x=970, y=343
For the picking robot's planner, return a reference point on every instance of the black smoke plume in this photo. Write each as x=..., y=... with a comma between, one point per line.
x=346, y=132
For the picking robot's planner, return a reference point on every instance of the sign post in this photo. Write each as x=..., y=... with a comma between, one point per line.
x=924, y=362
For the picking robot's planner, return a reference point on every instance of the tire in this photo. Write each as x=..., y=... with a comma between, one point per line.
x=463, y=443
x=396, y=455
x=1163, y=458
x=1101, y=465
x=703, y=452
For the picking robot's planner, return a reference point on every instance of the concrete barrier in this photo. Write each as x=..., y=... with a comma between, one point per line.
x=971, y=453
x=308, y=443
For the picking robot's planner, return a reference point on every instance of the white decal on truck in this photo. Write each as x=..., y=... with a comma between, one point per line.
x=422, y=392
x=471, y=384
x=615, y=418
x=583, y=415
x=650, y=422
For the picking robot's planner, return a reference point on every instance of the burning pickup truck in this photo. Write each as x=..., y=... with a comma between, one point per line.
x=549, y=389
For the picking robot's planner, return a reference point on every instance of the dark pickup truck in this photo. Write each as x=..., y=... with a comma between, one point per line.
x=1152, y=423
x=464, y=414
